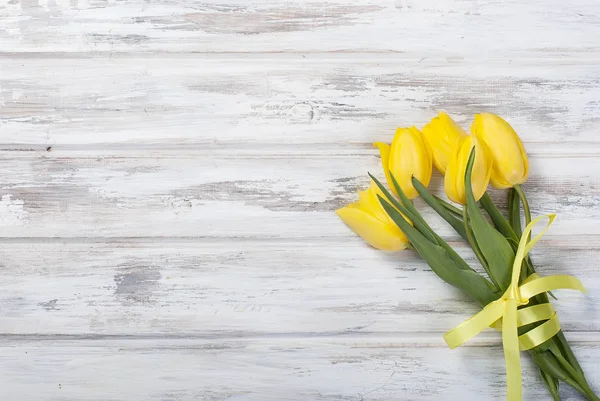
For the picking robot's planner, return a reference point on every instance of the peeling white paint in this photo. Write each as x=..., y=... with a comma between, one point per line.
x=12, y=212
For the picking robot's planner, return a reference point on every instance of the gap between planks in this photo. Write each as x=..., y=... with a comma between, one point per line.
x=583, y=242
x=582, y=149
x=430, y=339
x=559, y=57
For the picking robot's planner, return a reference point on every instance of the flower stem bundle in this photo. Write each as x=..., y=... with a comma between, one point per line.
x=513, y=296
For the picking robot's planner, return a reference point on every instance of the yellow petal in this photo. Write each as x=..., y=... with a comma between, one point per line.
x=482, y=170
x=510, y=162
x=450, y=183
x=441, y=134
x=452, y=173
x=379, y=235
x=410, y=155
x=384, y=152
x=369, y=202
x=454, y=181
x=498, y=182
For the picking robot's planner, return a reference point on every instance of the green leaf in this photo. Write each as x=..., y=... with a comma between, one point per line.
x=410, y=212
x=506, y=228
x=469, y=281
x=497, y=217
x=474, y=245
x=450, y=207
x=422, y=223
x=493, y=245
x=443, y=211
x=440, y=261
x=456, y=223
x=514, y=212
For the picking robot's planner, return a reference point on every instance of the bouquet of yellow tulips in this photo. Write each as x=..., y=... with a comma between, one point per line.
x=513, y=297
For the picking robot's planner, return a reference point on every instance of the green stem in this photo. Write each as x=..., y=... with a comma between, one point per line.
x=500, y=222
x=551, y=384
x=527, y=212
x=452, y=219
x=449, y=207
x=514, y=212
x=591, y=395
x=565, y=349
x=575, y=375
x=547, y=362
x=526, y=209
x=476, y=250
x=558, y=355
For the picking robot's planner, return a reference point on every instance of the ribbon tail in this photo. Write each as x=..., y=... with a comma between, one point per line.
x=503, y=313
x=475, y=325
x=510, y=342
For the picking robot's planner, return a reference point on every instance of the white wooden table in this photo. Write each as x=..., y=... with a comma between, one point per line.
x=170, y=171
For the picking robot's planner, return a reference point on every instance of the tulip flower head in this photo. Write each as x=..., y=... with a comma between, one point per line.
x=368, y=219
x=510, y=163
x=454, y=180
x=408, y=156
x=441, y=134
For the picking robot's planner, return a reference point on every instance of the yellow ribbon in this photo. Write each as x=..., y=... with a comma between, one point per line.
x=503, y=313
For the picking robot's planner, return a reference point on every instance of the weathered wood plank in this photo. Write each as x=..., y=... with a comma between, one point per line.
x=337, y=101
x=48, y=195
x=253, y=288
x=170, y=171
x=455, y=28
x=276, y=369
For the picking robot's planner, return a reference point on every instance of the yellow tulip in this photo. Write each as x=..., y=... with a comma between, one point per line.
x=408, y=156
x=441, y=134
x=368, y=219
x=511, y=166
x=454, y=181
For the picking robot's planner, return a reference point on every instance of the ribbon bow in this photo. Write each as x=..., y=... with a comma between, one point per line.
x=505, y=308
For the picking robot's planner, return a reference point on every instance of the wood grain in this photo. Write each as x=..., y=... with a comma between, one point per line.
x=210, y=196
x=268, y=369
x=336, y=101
x=457, y=28
x=252, y=288
x=170, y=171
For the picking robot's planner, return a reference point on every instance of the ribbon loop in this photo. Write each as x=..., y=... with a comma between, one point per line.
x=557, y=282
x=540, y=334
x=503, y=313
x=534, y=313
